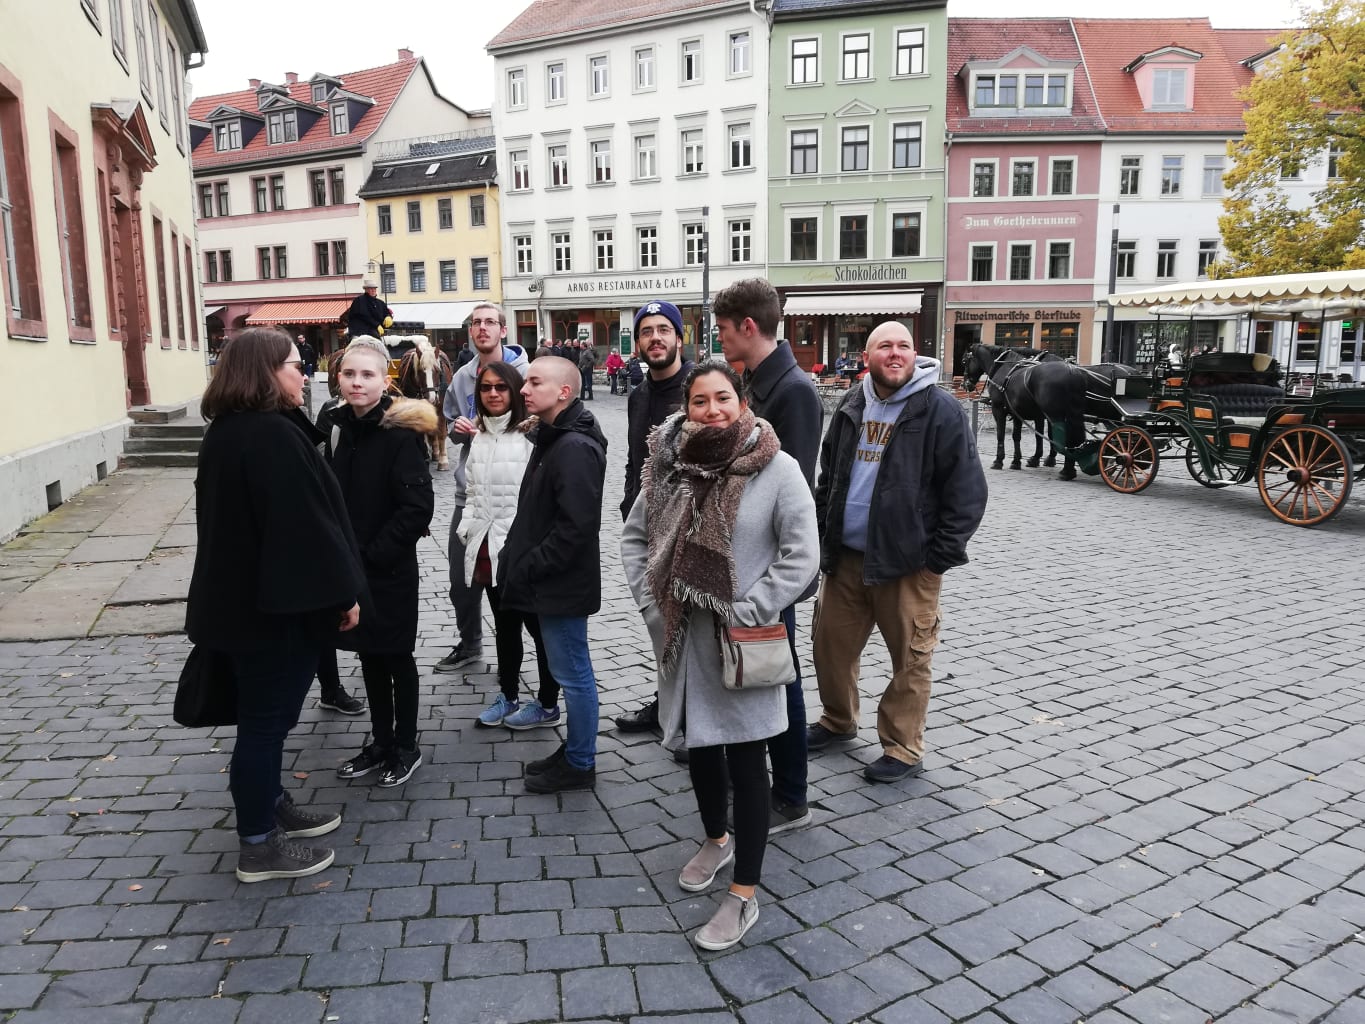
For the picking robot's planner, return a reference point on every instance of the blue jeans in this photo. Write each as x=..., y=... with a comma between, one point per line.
x=566, y=649
x=271, y=687
x=787, y=750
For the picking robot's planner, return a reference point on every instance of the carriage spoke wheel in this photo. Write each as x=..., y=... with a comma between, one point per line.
x=1304, y=475
x=1219, y=477
x=1128, y=459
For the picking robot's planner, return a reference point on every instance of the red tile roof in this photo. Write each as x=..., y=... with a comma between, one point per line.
x=972, y=39
x=555, y=17
x=382, y=84
x=1110, y=45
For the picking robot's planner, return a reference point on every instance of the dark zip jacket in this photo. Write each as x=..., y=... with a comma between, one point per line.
x=648, y=405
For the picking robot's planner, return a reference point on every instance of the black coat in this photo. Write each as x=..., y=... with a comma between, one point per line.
x=366, y=315
x=380, y=461
x=783, y=394
x=260, y=477
x=648, y=405
x=551, y=561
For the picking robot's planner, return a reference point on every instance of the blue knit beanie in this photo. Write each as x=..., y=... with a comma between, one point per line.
x=658, y=307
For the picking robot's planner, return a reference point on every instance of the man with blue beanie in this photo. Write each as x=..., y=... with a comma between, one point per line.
x=900, y=494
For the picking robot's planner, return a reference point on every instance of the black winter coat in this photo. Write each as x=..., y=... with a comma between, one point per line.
x=260, y=479
x=551, y=561
x=782, y=393
x=930, y=492
x=366, y=315
x=648, y=405
x=380, y=461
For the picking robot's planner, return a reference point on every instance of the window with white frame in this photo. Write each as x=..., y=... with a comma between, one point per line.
x=154, y=31
x=740, y=63
x=741, y=240
x=144, y=68
x=118, y=35
x=1172, y=168
x=516, y=88
x=805, y=147
x=449, y=276
x=599, y=84
x=1021, y=177
x=1044, y=90
x=478, y=215
x=561, y=249
x=857, y=57
x=997, y=91
x=478, y=273
x=1168, y=87
x=803, y=239
x=694, y=244
x=1334, y=153
x=1213, y=174
x=604, y=249
x=689, y=64
x=644, y=68
x=854, y=148
x=338, y=259
x=1125, y=262
x=646, y=157
x=555, y=83
x=1166, y=252
x=1021, y=261
x=982, y=260
x=805, y=68
x=1063, y=176
x=414, y=216
x=1059, y=260
x=522, y=250
x=910, y=51
x=559, y=165
x=693, y=151
x=341, y=119
x=601, y=160
x=1208, y=254
x=853, y=237
x=905, y=234
x=1130, y=175
x=521, y=169
x=445, y=214
x=282, y=126
x=322, y=259
x=417, y=276
x=177, y=114
x=983, y=179
x=205, y=196
x=648, y=247
x=388, y=277
x=227, y=135
x=907, y=144
x=221, y=190
x=741, y=146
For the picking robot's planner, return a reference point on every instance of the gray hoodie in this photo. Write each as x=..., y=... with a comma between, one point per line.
x=878, y=419
x=459, y=401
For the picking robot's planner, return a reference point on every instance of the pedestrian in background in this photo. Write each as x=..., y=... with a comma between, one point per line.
x=615, y=364
x=259, y=475
x=723, y=534
x=497, y=461
x=380, y=461
x=587, y=364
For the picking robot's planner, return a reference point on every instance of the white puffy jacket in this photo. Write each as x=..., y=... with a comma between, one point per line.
x=497, y=462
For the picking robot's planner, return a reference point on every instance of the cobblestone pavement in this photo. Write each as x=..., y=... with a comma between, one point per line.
x=1141, y=805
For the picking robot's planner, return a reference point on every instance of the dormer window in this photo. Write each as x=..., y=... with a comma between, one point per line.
x=341, y=119
x=1168, y=87
x=319, y=91
x=1164, y=77
x=282, y=126
x=1040, y=91
x=227, y=135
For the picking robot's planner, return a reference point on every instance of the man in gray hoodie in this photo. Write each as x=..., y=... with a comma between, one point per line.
x=487, y=332
x=900, y=494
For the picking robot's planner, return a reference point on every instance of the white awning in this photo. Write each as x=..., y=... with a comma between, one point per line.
x=1337, y=284
x=852, y=304
x=433, y=314
x=209, y=311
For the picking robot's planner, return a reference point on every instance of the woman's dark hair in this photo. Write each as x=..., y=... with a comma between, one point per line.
x=508, y=374
x=702, y=369
x=244, y=376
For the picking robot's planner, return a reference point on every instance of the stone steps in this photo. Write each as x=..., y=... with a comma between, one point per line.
x=162, y=437
x=132, y=459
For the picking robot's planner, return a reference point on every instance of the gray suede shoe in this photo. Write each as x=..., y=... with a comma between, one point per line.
x=699, y=872
x=729, y=923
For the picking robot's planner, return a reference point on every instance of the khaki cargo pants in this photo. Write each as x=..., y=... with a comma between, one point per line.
x=905, y=611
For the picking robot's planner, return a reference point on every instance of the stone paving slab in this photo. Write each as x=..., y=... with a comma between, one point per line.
x=126, y=619
x=121, y=548
x=165, y=575
x=65, y=602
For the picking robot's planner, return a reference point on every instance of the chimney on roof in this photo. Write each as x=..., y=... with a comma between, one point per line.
x=291, y=77
x=254, y=82
x=404, y=53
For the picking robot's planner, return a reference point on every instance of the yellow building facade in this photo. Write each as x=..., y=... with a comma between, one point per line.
x=98, y=261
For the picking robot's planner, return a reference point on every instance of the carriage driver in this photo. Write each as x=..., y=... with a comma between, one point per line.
x=900, y=493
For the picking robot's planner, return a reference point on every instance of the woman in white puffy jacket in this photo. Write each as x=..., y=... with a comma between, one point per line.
x=498, y=454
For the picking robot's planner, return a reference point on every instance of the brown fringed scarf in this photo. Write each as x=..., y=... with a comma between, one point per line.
x=692, y=484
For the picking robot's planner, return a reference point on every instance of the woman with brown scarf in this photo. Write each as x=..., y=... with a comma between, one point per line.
x=723, y=532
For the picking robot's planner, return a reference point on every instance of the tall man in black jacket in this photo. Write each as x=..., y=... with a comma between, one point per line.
x=747, y=315
x=658, y=338
x=551, y=562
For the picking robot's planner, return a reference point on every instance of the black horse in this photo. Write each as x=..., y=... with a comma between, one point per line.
x=1064, y=394
x=994, y=363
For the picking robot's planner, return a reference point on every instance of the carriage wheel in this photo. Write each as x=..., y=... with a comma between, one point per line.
x=1128, y=459
x=1304, y=475
x=1220, y=476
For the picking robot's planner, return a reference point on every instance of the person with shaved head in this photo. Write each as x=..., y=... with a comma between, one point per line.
x=551, y=563
x=899, y=496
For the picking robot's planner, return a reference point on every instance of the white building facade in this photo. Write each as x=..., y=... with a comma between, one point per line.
x=631, y=155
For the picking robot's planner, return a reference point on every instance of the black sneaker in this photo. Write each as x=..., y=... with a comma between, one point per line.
x=279, y=857
x=545, y=763
x=462, y=655
x=641, y=720
x=371, y=758
x=298, y=823
x=818, y=737
x=784, y=816
x=402, y=763
x=888, y=769
x=342, y=701
x=561, y=777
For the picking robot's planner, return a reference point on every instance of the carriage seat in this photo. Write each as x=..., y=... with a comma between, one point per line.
x=1246, y=404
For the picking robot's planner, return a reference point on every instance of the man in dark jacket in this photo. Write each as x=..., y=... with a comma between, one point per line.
x=587, y=363
x=901, y=492
x=368, y=312
x=551, y=563
x=747, y=315
x=658, y=338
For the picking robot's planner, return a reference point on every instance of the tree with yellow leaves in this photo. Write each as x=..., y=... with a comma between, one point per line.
x=1307, y=104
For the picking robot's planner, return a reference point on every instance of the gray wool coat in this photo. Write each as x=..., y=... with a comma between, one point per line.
x=777, y=554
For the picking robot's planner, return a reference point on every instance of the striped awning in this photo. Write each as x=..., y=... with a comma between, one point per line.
x=852, y=303
x=300, y=311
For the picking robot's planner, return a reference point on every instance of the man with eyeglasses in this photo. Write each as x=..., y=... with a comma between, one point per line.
x=487, y=333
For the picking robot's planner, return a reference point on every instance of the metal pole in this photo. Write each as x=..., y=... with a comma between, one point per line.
x=705, y=282
x=1111, y=354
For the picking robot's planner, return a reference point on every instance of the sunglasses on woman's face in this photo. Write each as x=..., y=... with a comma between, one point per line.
x=489, y=388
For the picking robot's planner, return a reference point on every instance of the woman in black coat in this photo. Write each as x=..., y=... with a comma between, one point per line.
x=259, y=476
x=379, y=455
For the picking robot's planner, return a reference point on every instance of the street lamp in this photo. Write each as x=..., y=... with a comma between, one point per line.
x=1111, y=354
x=376, y=270
x=706, y=281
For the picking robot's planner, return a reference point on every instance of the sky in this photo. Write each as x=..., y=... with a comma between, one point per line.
x=265, y=38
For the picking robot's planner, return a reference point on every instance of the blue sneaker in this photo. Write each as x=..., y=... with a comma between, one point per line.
x=496, y=713
x=532, y=716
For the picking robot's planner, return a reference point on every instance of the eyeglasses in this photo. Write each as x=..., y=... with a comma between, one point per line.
x=485, y=323
x=489, y=388
x=295, y=363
